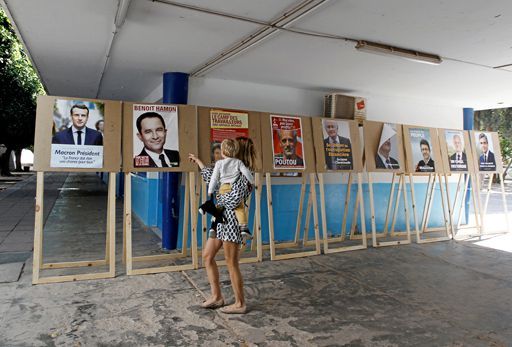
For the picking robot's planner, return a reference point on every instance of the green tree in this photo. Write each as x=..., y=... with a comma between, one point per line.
x=19, y=87
x=499, y=120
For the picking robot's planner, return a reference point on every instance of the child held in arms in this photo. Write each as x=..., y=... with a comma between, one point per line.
x=225, y=173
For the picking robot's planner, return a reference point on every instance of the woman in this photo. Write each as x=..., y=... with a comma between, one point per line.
x=228, y=234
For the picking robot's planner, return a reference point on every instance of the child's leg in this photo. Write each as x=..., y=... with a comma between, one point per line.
x=243, y=221
x=212, y=233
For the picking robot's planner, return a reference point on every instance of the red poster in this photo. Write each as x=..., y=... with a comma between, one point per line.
x=226, y=125
x=287, y=142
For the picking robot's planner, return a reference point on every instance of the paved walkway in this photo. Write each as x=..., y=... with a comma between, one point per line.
x=443, y=294
x=17, y=222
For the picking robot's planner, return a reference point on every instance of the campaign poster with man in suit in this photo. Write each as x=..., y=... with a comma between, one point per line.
x=337, y=144
x=422, y=153
x=387, y=152
x=457, y=157
x=155, y=136
x=75, y=142
x=287, y=140
x=485, y=151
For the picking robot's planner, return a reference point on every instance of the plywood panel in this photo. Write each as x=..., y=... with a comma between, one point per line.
x=187, y=123
x=45, y=124
x=493, y=143
x=372, y=136
x=319, y=145
x=307, y=142
x=204, y=133
x=446, y=139
x=413, y=149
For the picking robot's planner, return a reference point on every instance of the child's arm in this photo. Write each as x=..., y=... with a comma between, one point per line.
x=214, y=181
x=247, y=173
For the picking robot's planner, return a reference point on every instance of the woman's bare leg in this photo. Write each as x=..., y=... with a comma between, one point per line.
x=232, y=255
x=209, y=253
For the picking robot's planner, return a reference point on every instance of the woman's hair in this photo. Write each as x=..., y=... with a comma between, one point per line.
x=246, y=152
x=215, y=146
x=229, y=148
x=97, y=124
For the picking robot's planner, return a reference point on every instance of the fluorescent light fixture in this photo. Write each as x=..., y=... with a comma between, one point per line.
x=409, y=54
x=122, y=10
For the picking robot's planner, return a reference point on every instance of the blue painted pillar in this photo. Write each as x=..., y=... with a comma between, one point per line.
x=469, y=120
x=175, y=91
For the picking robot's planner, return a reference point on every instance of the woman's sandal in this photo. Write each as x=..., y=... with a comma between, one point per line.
x=213, y=305
x=234, y=310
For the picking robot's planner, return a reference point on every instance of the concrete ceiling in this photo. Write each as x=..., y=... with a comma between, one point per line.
x=68, y=41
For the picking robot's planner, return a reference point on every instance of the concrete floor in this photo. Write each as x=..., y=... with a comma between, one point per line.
x=442, y=294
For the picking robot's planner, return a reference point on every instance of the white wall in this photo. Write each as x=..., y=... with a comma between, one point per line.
x=413, y=112
x=254, y=96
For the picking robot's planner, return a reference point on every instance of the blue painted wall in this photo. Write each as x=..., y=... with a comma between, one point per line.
x=147, y=206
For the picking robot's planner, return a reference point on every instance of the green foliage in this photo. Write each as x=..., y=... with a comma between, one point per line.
x=19, y=87
x=499, y=120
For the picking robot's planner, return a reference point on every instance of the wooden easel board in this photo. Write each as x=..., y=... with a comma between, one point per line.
x=53, y=120
x=305, y=142
x=205, y=115
x=418, y=141
x=374, y=134
x=491, y=140
x=458, y=159
x=186, y=133
x=451, y=140
x=346, y=154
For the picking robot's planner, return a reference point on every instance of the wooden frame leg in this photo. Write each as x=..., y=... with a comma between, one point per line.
x=111, y=230
x=504, y=200
x=427, y=203
x=448, y=219
x=257, y=216
x=322, y=211
x=372, y=210
x=414, y=212
x=397, y=204
x=128, y=221
x=463, y=200
x=270, y=216
x=345, y=207
x=299, y=215
x=38, y=228
x=478, y=204
x=315, y=213
x=390, y=203
x=361, y=209
x=109, y=259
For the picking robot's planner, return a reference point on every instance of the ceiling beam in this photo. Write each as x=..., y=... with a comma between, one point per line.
x=122, y=11
x=282, y=21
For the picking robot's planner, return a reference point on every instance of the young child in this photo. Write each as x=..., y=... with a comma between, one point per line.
x=225, y=172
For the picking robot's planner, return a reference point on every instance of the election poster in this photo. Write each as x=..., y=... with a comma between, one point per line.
x=422, y=151
x=226, y=125
x=337, y=144
x=287, y=142
x=456, y=150
x=77, y=140
x=387, y=150
x=485, y=151
x=155, y=136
